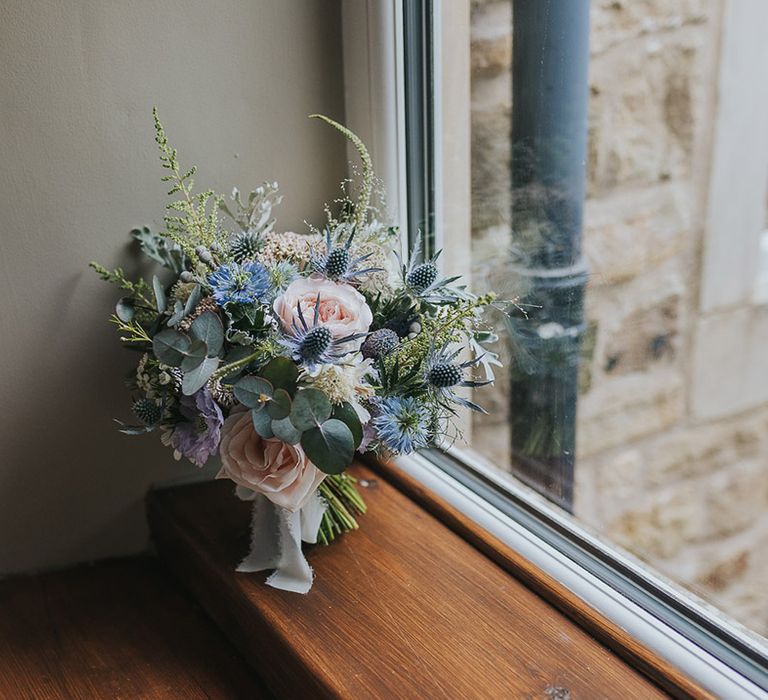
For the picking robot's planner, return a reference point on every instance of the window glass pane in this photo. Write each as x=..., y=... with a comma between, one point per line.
x=635, y=388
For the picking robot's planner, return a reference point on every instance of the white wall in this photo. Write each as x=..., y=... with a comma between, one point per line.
x=234, y=81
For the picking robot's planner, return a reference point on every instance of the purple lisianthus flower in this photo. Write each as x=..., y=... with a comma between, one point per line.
x=198, y=437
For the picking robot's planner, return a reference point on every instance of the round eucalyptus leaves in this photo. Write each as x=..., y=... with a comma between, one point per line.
x=328, y=434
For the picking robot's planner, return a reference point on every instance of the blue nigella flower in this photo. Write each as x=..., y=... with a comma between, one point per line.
x=313, y=345
x=402, y=424
x=239, y=283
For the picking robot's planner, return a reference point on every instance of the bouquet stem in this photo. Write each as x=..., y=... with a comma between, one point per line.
x=344, y=502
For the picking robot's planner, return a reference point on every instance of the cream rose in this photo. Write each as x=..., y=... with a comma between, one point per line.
x=269, y=466
x=342, y=308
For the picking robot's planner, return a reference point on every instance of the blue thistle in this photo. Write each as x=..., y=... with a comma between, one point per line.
x=422, y=279
x=337, y=263
x=236, y=283
x=312, y=345
x=443, y=373
x=403, y=424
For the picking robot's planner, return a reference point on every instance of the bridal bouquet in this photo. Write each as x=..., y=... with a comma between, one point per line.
x=284, y=354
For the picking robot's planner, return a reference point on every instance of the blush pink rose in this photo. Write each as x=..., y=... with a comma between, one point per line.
x=269, y=466
x=342, y=308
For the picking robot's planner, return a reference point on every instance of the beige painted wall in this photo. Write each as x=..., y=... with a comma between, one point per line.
x=234, y=81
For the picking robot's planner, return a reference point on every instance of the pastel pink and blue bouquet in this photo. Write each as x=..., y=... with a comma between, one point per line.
x=284, y=354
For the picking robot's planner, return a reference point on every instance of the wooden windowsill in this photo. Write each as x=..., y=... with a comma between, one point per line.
x=404, y=607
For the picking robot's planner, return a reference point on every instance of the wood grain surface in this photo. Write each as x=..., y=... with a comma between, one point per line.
x=402, y=608
x=119, y=629
x=613, y=636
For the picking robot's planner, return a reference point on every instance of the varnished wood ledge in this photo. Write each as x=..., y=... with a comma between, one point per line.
x=614, y=637
x=402, y=608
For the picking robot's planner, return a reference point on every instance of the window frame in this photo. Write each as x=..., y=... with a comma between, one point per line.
x=688, y=633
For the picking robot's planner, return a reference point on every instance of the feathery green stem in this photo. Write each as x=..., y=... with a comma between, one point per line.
x=366, y=187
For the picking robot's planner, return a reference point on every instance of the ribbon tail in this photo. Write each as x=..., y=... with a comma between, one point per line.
x=276, y=535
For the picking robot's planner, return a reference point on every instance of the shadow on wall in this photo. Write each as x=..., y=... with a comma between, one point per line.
x=79, y=170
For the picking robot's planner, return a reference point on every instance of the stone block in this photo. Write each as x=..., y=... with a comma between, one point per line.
x=645, y=338
x=688, y=452
x=634, y=230
x=615, y=22
x=646, y=101
x=659, y=526
x=627, y=408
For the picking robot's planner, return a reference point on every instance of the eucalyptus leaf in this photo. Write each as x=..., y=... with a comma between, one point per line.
x=330, y=447
x=280, y=405
x=170, y=346
x=195, y=379
x=177, y=315
x=125, y=309
x=282, y=373
x=286, y=431
x=252, y=391
x=347, y=415
x=192, y=300
x=208, y=328
x=310, y=409
x=197, y=352
x=161, y=300
x=262, y=423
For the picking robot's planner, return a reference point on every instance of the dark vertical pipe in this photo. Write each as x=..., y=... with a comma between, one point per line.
x=419, y=127
x=549, y=140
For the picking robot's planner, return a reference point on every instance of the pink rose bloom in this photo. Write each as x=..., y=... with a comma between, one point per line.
x=269, y=466
x=342, y=308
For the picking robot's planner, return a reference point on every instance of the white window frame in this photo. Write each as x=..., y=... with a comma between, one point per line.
x=374, y=92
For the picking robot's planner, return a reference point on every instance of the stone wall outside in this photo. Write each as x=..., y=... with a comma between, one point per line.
x=689, y=496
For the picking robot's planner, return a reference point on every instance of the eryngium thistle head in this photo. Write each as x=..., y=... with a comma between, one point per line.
x=337, y=264
x=422, y=276
x=379, y=343
x=315, y=343
x=445, y=374
x=147, y=411
x=244, y=246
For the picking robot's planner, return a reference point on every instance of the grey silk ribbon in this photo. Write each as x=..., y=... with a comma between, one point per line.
x=276, y=537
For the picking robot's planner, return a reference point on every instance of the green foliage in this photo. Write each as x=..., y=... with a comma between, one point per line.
x=207, y=328
x=254, y=216
x=328, y=436
x=346, y=414
x=286, y=431
x=161, y=301
x=246, y=323
x=452, y=324
x=139, y=290
x=282, y=373
x=196, y=222
x=366, y=188
x=182, y=310
x=279, y=408
x=311, y=408
x=344, y=503
x=329, y=446
x=160, y=249
x=253, y=392
x=262, y=423
x=198, y=374
x=171, y=347
x=134, y=332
